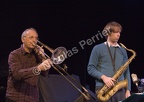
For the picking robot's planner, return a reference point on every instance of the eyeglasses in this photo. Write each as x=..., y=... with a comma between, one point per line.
x=32, y=37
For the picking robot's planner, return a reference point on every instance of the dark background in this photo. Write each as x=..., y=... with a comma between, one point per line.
x=66, y=23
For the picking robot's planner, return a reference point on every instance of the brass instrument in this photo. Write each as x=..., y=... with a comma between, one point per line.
x=105, y=93
x=58, y=56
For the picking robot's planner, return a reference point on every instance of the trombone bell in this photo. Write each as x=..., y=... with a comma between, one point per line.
x=59, y=55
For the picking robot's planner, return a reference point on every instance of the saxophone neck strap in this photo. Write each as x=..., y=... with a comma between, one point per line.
x=112, y=58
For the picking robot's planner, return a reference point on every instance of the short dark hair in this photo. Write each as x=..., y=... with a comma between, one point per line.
x=111, y=27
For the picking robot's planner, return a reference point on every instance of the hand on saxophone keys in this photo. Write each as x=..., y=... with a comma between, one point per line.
x=110, y=82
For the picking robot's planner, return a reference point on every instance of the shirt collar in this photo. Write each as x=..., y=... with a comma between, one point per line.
x=117, y=45
x=24, y=52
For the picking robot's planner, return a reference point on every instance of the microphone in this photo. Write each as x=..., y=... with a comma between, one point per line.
x=135, y=79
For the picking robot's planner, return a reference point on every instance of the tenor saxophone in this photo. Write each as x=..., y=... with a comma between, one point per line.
x=105, y=93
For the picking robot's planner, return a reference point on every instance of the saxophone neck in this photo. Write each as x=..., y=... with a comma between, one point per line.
x=134, y=53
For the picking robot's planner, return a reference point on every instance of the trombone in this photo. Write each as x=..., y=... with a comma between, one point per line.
x=58, y=56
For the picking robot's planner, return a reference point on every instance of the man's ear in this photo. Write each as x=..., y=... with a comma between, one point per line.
x=22, y=39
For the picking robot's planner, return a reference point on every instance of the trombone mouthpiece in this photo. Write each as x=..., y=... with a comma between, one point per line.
x=34, y=44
